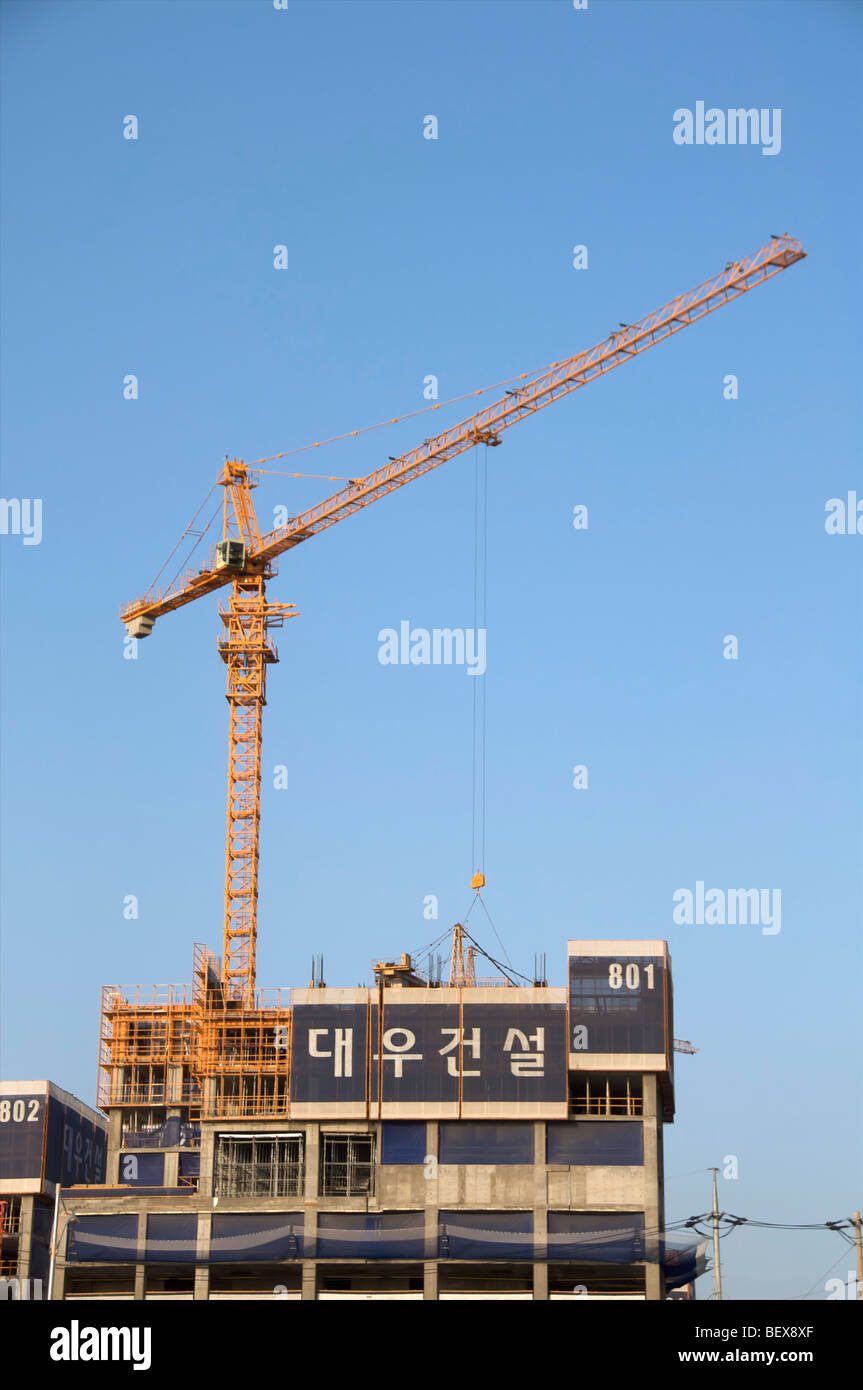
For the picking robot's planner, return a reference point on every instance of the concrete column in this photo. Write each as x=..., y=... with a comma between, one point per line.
x=59, y=1281
x=540, y=1211
x=208, y=1158
x=115, y=1143
x=654, y=1205
x=172, y=1170
x=310, y=1210
x=431, y=1283
x=209, y=1096
x=202, y=1256
x=312, y=1149
x=25, y=1236
x=141, y=1269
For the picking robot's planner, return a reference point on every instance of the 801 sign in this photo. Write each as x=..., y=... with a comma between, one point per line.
x=630, y=976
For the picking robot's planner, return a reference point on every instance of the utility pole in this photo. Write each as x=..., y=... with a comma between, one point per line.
x=53, y=1263
x=858, y=1246
x=717, y=1272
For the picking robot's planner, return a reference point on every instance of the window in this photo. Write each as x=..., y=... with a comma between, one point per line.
x=189, y=1169
x=248, y=1093
x=100, y=1283
x=347, y=1165
x=594, y=1094
x=463, y=1142
x=11, y=1223
x=403, y=1141
x=148, y=1129
x=259, y=1165
x=239, y=1281
x=580, y=1142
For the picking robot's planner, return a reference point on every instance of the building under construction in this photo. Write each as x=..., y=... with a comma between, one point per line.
x=414, y=1139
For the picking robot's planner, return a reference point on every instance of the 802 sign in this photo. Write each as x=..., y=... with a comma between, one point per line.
x=16, y=1111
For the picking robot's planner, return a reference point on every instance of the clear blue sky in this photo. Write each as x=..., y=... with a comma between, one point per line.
x=410, y=257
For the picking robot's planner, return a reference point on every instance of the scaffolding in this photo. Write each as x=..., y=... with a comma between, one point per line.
x=193, y=1052
x=202, y=1052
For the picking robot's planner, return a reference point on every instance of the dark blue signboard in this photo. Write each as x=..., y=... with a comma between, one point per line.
x=75, y=1148
x=429, y=1051
x=22, y=1129
x=523, y=1055
x=328, y=1053
x=617, y=1004
x=39, y=1128
x=420, y=1056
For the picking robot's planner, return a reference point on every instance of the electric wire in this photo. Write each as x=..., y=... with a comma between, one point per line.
x=820, y=1280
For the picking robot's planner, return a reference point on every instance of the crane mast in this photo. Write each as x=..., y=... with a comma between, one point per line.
x=246, y=560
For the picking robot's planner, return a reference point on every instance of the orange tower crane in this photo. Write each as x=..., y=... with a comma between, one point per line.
x=245, y=560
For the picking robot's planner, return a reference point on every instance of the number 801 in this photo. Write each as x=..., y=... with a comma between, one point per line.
x=631, y=977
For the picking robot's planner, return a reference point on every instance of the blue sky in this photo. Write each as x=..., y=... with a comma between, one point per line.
x=452, y=257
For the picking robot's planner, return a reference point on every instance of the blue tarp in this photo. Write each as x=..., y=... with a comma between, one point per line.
x=584, y=1142
x=142, y=1169
x=103, y=1238
x=484, y=1142
x=170, y=1135
x=685, y=1259
x=171, y=1238
x=596, y=1237
x=236, y=1237
x=403, y=1141
x=396, y=1235
x=485, y=1235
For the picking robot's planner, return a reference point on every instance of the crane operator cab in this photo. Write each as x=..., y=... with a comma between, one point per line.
x=230, y=555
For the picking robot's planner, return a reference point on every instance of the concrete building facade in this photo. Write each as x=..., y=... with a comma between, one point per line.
x=420, y=1142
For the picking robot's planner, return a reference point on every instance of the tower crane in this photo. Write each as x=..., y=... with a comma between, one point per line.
x=244, y=560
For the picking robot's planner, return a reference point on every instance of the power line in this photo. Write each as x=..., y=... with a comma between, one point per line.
x=819, y=1280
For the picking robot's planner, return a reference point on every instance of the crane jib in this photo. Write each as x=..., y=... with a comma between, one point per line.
x=559, y=380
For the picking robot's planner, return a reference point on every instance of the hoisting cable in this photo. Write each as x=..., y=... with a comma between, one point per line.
x=480, y=589
x=496, y=963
